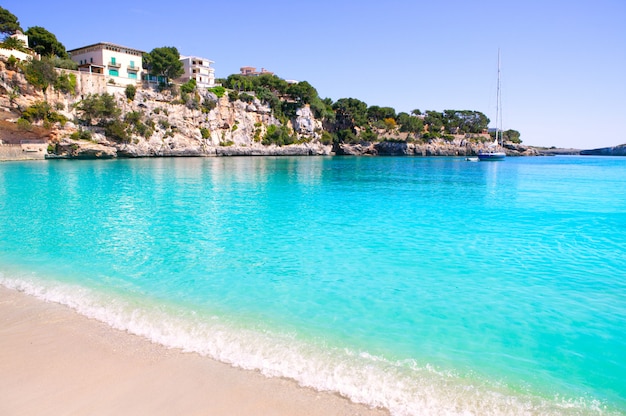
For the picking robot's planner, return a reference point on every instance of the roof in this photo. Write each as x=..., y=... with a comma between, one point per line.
x=103, y=45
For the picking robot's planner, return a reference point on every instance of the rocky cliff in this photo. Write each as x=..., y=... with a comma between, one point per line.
x=167, y=123
x=606, y=151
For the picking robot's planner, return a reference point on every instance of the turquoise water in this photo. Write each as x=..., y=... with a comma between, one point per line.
x=424, y=285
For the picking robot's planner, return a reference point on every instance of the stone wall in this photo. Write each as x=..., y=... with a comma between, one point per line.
x=26, y=151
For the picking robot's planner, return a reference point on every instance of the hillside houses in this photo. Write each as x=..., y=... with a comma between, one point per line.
x=122, y=64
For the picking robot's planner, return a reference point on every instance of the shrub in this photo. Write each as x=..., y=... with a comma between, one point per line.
x=41, y=111
x=100, y=107
x=130, y=91
x=24, y=124
x=66, y=83
x=246, y=98
x=116, y=130
x=278, y=135
x=64, y=63
x=233, y=95
x=81, y=135
x=12, y=62
x=327, y=138
x=205, y=133
x=188, y=87
x=36, y=112
x=219, y=91
x=208, y=105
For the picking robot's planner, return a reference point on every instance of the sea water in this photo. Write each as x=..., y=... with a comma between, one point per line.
x=423, y=285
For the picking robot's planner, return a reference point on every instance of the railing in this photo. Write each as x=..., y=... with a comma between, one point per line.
x=133, y=68
x=115, y=65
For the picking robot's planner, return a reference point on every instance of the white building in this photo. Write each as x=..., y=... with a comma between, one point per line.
x=21, y=37
x=199, y=69
x=22, y=56
x=119, y=63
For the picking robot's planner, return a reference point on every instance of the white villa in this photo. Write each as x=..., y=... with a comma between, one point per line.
x=22, y=56
x=199, y=69
x=119, y=63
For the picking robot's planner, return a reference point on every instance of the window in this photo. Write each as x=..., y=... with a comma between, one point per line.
x=113, y=60
x=132, y=75
x=90, y=60
x=114, y=72
x=132, y=64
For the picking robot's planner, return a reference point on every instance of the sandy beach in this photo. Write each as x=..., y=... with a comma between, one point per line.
x=55, y=361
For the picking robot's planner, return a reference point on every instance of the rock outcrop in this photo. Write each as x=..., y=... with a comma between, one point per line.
x=165, y=124
x=606, y=151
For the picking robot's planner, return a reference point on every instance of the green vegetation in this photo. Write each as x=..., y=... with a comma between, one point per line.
x=42, y=111
x=164, y=62
x=188, y=87
x=130, y=91
x=40, y=73
x=81, y=135
x=66, y=83
x=45, y=43
x=278, y=135
x=218, y=91
x=512, y=136
x=24, y=124
x=13, y=43
x=8, y=22
x=12, y=63
x=100, y=108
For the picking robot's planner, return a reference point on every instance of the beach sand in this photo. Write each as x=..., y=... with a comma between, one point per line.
x=55, y=361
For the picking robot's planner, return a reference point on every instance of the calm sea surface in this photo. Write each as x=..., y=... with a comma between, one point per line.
x=424, y=285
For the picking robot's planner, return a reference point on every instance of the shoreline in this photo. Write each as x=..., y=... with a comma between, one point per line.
x=56, y=361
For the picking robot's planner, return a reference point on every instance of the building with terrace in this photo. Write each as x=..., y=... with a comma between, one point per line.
x=199, y=69
x=251, y=71
x=121, y=64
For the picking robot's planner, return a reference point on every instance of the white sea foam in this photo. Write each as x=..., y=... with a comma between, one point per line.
x=405, y=387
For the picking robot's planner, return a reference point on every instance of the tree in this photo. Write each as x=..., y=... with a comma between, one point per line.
x=8, y=22
x=434, y=120
x=465, y=121
x=40, y=73
x=165, y=62
x=410, y=124
x=302, y=92
x=100, y=107
x=13, y=43
x=390, y=123
x=376, y=113
x=512, y=136
x=351, y=112
x=45, y=43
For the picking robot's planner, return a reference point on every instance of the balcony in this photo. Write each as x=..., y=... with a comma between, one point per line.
x=134, y=68
x=114, y=64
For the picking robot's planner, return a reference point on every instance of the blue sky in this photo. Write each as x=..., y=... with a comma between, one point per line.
x=563, y=62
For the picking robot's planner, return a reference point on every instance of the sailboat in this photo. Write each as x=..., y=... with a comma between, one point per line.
x=494, y=150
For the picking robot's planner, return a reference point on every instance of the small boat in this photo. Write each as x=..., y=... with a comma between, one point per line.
x=491, y=154
x=494, y=150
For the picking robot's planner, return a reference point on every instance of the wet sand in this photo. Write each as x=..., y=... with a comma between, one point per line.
x=55, y=361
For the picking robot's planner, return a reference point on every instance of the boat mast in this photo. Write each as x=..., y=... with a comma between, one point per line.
x=498, y=107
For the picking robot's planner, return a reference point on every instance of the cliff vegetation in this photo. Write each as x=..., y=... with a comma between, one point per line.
x=82, y=116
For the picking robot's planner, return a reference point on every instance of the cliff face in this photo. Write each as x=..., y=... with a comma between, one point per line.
x=459, y=146
x=606, y=151
x=201, y=124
